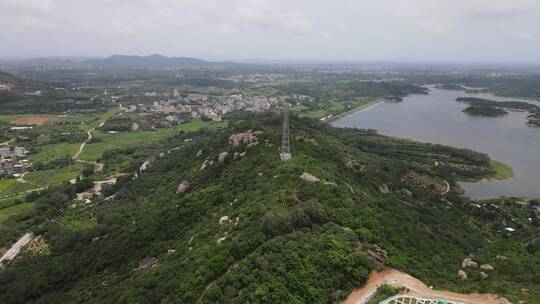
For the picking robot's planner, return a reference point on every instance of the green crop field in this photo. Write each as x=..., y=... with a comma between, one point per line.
x=5, y=184
x=105, y=116
x=14, y=187
x=38, y=179
x=77, y=223
x=335, y=108
x=14, y=210
x=109, y=141
x=45, y=178
x=55, y=151
x=7, y=202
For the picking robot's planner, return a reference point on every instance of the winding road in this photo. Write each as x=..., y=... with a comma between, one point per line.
x=447, y=189
x=416, y=288
x=98, y=166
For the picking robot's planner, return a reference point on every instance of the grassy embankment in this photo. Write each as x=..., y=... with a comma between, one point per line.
x=502, y=171
x=334, y=108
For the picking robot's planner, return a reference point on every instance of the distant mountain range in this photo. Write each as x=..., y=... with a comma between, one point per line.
x=155, y=61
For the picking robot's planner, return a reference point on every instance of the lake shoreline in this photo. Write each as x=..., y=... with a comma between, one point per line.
x=438, y=118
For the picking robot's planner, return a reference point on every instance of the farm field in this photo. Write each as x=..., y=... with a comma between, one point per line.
x=38, y=179
x=55, y=151
x=25, y=118
x=11, y=186
x=334, y=108
x=76, y=223
x=109, y=141
x=39, y=119
x=46, y=178
x=7, y=202
x=6, y=184
x=14, y=210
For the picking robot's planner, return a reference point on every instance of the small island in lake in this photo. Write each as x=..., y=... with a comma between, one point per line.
x=491, y=108
x=450, y=86
x=486, y=111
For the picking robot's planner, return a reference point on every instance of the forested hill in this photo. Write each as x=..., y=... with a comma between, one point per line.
x=203, y=226
x=19, y=95
x=155, y=61
x=10, y=83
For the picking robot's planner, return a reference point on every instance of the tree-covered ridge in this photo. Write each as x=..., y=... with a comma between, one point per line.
x=353, y=89
x=19, y=95
x=485, y=111
x=246, y=228
x=516, y=105
x=485, y=107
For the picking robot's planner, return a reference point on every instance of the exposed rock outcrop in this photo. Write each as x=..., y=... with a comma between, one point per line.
x=483, y=275
x=222, y=157
x=352, y=164
x=469, y=263
x=247, y=138
x=384, y=189
x=462, y=275
x=347, y=161
x=204, y=164
x=148, y=262
x=183, y=187
x=144, y=166
x=224, y=220
x=309, y=177
x=486, y=267
x=406, y=192
x=220, y=240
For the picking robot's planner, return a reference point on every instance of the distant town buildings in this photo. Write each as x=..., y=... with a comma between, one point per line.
x=199, y=105
x=9, y=166
x=254, y=77
x=17, y=151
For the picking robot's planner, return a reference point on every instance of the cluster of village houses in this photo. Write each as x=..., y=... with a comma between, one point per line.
x=254, y=77
x=204, y=106
x=10, y=164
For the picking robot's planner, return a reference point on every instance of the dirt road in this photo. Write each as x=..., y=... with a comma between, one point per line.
x=81, y=148
x=447, y=189
x=416, y=288
x=20, y=193
x=98, y=166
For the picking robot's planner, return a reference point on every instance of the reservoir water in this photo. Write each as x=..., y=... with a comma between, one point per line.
x=438, y=118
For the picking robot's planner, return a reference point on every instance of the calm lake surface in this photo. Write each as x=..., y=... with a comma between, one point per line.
x=437, y=118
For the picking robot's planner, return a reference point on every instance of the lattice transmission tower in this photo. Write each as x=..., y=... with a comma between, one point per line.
x=285, y=153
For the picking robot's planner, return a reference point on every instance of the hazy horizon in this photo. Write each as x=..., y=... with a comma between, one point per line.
x=413, y=31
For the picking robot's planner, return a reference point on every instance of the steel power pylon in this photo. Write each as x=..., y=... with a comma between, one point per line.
x=285, y=153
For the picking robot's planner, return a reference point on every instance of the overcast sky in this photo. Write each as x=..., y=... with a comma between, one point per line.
x=342, y=30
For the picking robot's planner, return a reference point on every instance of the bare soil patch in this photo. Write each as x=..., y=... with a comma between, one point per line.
x=37, y=120
x=417, y=288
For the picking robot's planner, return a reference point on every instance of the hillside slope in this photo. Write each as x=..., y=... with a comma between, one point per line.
x=246, y=227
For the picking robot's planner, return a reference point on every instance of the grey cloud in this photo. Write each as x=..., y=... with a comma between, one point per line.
x=274, y=29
